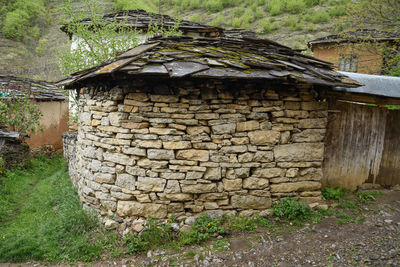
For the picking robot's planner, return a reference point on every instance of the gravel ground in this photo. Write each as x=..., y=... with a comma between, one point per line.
x=375, y=241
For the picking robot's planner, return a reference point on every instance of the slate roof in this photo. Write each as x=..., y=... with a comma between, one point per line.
x=218, y=58
x=357, y=36
x=141, y=19
x=43, y=91
x=374, y=85
x=4, y=133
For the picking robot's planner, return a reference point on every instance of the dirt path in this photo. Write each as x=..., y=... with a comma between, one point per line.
x=372, y=242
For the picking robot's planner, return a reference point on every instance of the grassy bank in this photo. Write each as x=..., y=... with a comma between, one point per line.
x=41, y=217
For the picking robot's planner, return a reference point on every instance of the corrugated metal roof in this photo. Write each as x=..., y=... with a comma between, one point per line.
x=216, y=58
x=373, y=84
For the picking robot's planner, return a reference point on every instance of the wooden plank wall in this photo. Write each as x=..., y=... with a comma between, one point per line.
x=355, y=143
x=389, y=171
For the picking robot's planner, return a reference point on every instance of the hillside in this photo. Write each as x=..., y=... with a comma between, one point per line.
x=291, y=22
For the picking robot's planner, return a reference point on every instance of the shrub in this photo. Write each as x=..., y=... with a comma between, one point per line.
x=218, y=20
x=259, y=14
x=276, y=7
x=120, y=5
x=236, y=22
x=213, y=6
x=311, y=3
x=320, y=17
x=337, y=11
x=295, y=6
x=238, y=12
x=293, y=210
x=268, y=26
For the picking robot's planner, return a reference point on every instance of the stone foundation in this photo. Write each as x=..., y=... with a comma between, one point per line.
x=162, y=148
x=14, y=153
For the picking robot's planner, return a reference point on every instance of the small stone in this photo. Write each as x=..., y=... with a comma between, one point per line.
x=110, y=224
x=247, y=126
x=264, y=137
x=189, y=220
x=224, y=128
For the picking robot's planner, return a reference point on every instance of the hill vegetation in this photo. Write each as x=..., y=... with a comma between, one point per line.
x=33, y=26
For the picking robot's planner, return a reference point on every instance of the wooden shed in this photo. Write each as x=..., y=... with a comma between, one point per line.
x=362, y=143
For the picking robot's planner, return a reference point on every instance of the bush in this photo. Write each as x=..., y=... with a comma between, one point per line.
x=120, y=5
x=311, y=3
x=218, y=20
x=320, y=17
x=276, y=7
x=213, y=6
x=337, y=11
x=22, y=21
x=292, y=210
x=295, y=6
x=268, y=26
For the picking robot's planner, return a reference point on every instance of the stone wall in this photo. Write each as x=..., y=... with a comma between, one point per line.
x=155, y=149
x=69, y=150
x=14, y=153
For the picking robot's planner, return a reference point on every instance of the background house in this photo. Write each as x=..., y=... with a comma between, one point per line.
x=359, y=51
x=53, y=107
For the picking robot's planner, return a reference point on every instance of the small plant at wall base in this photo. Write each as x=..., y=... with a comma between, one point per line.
x=18, y=110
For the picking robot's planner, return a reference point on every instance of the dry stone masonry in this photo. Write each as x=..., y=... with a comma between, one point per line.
x=182, y=147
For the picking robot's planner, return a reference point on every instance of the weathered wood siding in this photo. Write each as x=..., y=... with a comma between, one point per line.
x=389, y=171
x=362, y=143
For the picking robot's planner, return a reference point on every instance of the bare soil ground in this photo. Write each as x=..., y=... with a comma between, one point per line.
x=374, y=241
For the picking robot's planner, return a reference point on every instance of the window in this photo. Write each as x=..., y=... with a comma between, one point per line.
x=348, y=63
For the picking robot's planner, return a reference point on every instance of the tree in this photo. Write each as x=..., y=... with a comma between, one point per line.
x=18, y=110
x=380, y=15
x=96, y=42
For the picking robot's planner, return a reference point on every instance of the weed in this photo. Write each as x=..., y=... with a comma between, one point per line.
x=320, y=17
x=203, y=228
x=243, y=224
x=268, y=26
x=343, y=218
x=368, y=197
x=349, y=205
x=332, y=193
x=156, y=234
x=221, y=245
x=292, y=210
x=190, y=254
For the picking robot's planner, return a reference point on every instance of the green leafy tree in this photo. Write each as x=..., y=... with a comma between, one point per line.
x=24, y=20
x=97, y=42
x=18, y=109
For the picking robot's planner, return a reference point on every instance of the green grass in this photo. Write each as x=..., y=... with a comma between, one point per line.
x=41, y=217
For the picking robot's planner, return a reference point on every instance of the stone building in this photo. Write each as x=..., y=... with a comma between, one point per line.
x=181, y=126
